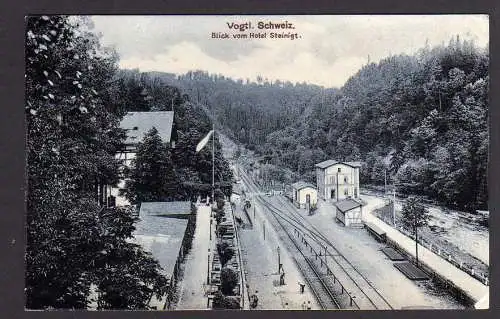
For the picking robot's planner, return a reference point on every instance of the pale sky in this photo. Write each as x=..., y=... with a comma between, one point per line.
x=330, y=50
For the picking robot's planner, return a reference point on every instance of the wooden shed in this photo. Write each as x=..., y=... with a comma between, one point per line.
x=349, y=212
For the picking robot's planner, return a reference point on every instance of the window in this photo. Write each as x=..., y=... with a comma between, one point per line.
x=345, y=179
x=346, y=192
x=339, y=170
x=355, y=192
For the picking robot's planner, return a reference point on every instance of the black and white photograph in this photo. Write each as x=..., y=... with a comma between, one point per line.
x=257, y=162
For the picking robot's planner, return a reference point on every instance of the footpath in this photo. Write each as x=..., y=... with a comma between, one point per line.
x=193, y=284
x=473, y=288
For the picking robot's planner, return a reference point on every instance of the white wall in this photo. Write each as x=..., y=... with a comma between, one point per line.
x=308, y=191
x=352, y=216
x=348, y=181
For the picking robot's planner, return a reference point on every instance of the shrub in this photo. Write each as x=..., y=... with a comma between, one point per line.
x=221, y=231
x=222, y=302
x=220, y=203
x=219, y=215
x=229, y=280
x=225, y=253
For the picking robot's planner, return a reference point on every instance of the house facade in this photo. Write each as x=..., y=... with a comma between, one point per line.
x=337, y=180
x=304, y=195
x=136, y=125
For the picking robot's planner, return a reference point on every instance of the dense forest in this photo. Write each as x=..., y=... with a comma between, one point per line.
x=78, y=250
x=421, y=118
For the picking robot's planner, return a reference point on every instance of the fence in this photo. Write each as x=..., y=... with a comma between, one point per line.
x=242, y=272
x=433, y=247
x=300, y=235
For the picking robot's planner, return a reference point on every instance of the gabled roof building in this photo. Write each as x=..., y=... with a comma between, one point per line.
x=136, y=124
x=337, y=180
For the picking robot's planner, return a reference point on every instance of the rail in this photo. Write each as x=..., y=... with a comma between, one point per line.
x=319, y=298
x=313, y=233
x=338, y=258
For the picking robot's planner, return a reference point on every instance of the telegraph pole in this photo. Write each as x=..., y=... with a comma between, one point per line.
x=394, y=207
x=208, y=268
x=385, y=182
x=213, y=162
x=416, y=241
x=279, y=260
x=337, y=190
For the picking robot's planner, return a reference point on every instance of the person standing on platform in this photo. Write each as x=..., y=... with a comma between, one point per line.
x=302, y=287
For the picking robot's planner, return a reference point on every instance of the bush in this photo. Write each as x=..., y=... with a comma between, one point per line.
x=225, y=253
x=219, y=215
x=222, y=302
x=229, y=280
x=220, y=203
x=221, y=231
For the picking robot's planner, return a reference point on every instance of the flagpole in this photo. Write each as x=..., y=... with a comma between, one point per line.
x=213, y=162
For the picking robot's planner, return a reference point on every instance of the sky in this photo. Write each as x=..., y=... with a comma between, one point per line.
x=330, y=48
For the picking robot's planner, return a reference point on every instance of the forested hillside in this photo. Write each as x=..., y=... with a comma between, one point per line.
x=423, y=118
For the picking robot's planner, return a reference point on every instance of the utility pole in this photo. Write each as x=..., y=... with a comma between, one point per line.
x=337, y=190
x=208, y=268
x=264, y=226
x=279, y=260
x=385, y=182
x=416, y=241
x=394, y=207
x=213, y=162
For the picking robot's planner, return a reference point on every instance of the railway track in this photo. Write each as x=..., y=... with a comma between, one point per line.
x=366, y=295
x=314, y=279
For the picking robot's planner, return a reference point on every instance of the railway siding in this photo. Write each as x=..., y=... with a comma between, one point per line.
x=305, y=262
x=365, y=295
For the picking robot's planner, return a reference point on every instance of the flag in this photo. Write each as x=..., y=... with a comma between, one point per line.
x=204, y=141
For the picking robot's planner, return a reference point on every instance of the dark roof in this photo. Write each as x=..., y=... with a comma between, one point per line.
x=347, y=204
x=162, y=237
x=165, y=208
x=145, y=121
x=329, y=163
x=301, y=185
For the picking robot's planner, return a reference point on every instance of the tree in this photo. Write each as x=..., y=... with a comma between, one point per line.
x=225, y=253
x=414, y=216
x=73, y=240
x=229, y=280
x=152, y=176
